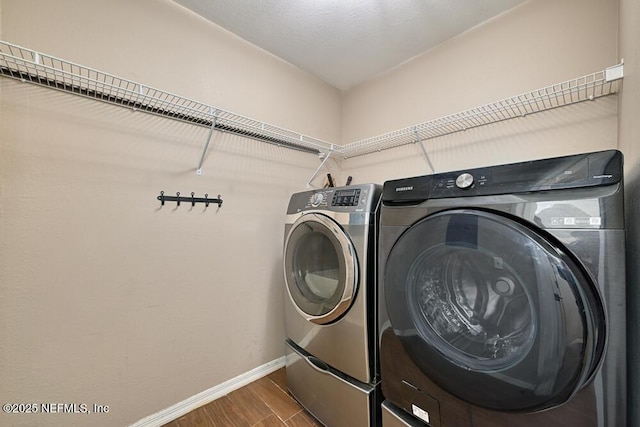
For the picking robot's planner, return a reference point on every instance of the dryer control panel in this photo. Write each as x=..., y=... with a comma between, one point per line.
x=347, y=197
x=353, y=198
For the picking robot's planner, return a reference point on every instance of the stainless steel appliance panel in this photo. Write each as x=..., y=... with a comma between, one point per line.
x=331, y=397
x=344, y=339
x=330, y=303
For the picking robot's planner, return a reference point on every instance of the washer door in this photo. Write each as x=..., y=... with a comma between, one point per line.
x=493, y=311
x=320, y=268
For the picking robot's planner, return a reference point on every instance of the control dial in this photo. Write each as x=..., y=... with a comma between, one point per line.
x=316, y=199
x=464, y=180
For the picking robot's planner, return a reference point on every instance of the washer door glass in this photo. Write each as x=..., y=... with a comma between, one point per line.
x=493, y=311
x=320, y=268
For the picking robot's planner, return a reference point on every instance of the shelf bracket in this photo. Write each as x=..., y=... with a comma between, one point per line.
x=326, y=157
x=615, y=72
x=424, y=150
x=206, y=145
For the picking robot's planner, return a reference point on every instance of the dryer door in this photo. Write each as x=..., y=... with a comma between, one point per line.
x=320, y=268
x=494, y=311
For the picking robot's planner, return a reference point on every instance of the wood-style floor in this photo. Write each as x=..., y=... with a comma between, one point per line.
x=263, y=403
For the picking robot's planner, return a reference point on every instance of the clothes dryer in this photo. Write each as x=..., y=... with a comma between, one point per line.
x=502, y=297
x=330, y=303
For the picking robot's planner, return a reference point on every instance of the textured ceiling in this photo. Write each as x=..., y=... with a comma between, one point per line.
x=347, y=42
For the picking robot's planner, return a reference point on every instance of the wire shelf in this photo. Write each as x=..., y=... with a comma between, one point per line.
x=34, y=67
x=581, y=89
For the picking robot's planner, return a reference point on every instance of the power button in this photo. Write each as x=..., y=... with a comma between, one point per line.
x=464, y=180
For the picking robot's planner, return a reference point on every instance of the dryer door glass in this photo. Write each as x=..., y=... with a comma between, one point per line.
x=320, y=268
x=493, y=311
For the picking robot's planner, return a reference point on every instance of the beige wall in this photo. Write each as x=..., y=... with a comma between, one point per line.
x=163, y=45
x=629, y=138
x=536, y=44
x=106, y=297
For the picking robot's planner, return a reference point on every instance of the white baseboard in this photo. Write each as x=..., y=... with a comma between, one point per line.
x=179, y=409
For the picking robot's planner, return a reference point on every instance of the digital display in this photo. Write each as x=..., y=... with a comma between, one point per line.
x=346, y=193
x=346, y=197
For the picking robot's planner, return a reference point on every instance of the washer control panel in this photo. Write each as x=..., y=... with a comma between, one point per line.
x=575, y=171
x=462, y=181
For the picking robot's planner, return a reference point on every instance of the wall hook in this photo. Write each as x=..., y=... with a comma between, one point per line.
x=193, y=199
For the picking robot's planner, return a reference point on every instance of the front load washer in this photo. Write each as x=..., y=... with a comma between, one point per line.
x=502, y=298
x=330, y=303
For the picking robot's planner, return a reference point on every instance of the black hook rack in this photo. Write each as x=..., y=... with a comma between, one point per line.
x=192, y=199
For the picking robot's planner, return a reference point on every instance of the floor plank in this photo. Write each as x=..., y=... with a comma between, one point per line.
x=303, y=419
x=283, y=405
x=224, y=413
x=262, y=403
x=271, y=421
x=253, y=408
x=280, y=378
x=196, y=418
